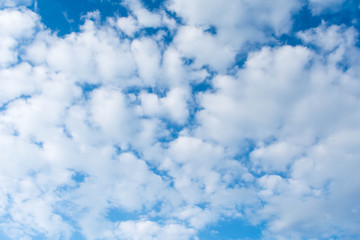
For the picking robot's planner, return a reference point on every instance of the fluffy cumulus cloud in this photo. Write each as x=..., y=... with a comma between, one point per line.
x=168, y=120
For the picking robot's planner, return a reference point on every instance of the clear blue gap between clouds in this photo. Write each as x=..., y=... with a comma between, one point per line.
x=65, y=16
x=234, y=229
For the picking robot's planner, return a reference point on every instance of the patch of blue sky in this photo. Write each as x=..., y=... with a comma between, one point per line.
x=159, y=91
x=118, y=214
x=258, y=173
x=77, y=236
x=236, y=229
x=4, y=105
x=194, y=106
x=343, y=65
x=66, y=131
x=39, y=144
x=173, y=129
x=212, y=30
x=245, y=148
x=87, y=88
x=167, y=35
x=187, y=61
x=287, y=39
x=348, y=14
x=4, y=236
x=79, y=177
x=127, y=149
x=203, y=86
x=304, y=19
x=149, y=31
x=163, y=174
x=241, y=56
x=153, y=5
x=115, y=214
x=238, y=182
x=135, y=90
x=66, y=16
x=174, y=16
x=240, y=60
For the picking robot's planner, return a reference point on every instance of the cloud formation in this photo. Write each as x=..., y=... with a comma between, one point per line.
x=150, y=126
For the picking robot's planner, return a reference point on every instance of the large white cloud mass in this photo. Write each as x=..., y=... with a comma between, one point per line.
x=110, y=119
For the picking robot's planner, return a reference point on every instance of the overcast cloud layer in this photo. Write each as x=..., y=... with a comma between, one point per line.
x=162, y=123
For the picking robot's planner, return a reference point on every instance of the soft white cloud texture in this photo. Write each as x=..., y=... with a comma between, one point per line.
x=317, y=6
x=117, y=133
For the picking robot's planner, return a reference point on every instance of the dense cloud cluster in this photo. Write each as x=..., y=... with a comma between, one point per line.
x=147, y=127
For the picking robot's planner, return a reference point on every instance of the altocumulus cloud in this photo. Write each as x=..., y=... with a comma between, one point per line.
x=172, y=119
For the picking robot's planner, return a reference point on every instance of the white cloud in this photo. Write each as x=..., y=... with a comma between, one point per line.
x=273, y=142
x=173, y=106
x=15, y=25
x=20, y=80
x=109, y=112
x=295, y=112
x=192, y=42
x=202, y=174
x=147, y=57
x=331, y=37
x=127, y=24
x=237, y=21
x=18, y=23
x=255, y=103
x=274, y=157
x=318, y=6
x=100, y=55
x=319, y=198
x=13, y=3
x=140, y=18
x=146, y=18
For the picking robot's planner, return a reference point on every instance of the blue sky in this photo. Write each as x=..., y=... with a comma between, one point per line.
x=179, y=119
